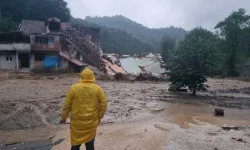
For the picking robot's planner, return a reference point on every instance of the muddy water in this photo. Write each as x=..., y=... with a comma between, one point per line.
x=182, y=114
x=128, y=120
x=142, y=133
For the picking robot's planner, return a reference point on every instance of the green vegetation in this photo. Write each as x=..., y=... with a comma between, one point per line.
x=34, y=9
x=118, y=41
x=193, y=60
x=147, y=36
x=167, y=44
x=114, y=40
x=235, y=33
x=202, y=53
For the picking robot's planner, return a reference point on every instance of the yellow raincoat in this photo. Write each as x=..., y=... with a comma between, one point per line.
x=87, y=103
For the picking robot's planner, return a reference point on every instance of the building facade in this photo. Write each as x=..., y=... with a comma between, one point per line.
x=49, y=46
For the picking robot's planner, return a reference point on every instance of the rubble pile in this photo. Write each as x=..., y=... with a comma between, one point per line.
x=139, y=67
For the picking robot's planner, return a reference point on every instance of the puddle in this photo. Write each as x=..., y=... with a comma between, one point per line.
x=184, y=114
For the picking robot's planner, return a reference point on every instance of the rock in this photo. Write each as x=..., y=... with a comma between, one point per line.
x=154, y=106
x=165, y=126
x=219, y=112
x=227, y=128
x=107, y=119
x=68, y=121
x=241, y=140
x=59, y=141
x=131, y=108
x=114, y=111
x=214, y=131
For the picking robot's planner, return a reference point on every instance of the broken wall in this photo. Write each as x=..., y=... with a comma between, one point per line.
x=50, y=45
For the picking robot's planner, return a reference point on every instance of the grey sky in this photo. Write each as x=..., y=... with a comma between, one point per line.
x=161, y=13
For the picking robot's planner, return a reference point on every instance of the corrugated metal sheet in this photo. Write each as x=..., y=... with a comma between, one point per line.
x=31, y=26
x=150, y=55
x=155, y=69
x=151, y=64
x=144, y=61
x=130, y=66
x=113, y=68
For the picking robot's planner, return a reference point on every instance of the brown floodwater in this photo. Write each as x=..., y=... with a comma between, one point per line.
x=183, y=114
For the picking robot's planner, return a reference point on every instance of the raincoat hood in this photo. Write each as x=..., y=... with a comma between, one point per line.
x=87, y=76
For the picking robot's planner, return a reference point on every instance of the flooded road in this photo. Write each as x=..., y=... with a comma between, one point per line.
x=140, y=115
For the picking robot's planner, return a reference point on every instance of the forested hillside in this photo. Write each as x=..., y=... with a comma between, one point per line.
x=117, y=41
x=138, y=31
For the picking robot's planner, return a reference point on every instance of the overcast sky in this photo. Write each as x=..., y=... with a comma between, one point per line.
x=161, y=13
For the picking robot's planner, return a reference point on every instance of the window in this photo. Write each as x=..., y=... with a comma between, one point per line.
x=39, y=57
x=42, y=40
x=8, y=58
x=51, y=41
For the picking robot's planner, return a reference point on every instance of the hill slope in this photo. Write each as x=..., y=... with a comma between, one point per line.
x=138, y=31
x=117, y=41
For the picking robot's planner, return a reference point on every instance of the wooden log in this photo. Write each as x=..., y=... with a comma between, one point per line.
x=219, y=112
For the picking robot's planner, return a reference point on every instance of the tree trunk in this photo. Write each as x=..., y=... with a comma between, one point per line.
x=194, y=91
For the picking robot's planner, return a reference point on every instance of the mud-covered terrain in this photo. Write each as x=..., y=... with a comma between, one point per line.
x=30, y=107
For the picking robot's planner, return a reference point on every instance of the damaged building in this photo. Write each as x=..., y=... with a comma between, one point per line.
x=148, y=63
x=54, y=46
x=40, y=46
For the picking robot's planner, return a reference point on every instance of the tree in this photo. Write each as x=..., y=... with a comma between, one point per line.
x=193, y=60
x=231, y=30
x=167, y=44
x=33, y=10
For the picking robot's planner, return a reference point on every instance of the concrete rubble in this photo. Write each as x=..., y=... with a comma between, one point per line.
x=139, y=67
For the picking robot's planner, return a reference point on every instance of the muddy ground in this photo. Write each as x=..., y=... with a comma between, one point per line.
x=140, y=115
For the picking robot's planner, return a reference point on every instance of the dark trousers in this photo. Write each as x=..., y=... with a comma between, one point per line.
x=89, y=146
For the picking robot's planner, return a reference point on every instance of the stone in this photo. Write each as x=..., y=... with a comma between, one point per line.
x=165, y=126
x=155, y=106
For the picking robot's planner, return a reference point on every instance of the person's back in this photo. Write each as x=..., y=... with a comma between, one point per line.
x=87, y=103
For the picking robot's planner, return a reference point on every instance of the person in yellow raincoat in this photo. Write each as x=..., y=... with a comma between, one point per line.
x=86, y=102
